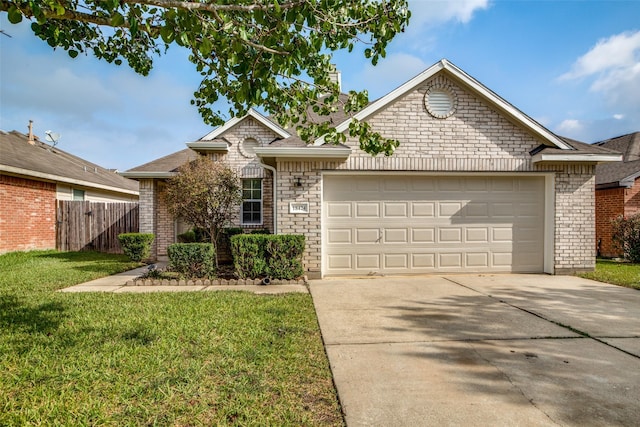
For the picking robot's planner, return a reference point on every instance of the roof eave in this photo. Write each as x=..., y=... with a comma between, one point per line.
x=66, y=180
x=147, y=175
x=207, y=147
x=574, y=157
x=303, y=152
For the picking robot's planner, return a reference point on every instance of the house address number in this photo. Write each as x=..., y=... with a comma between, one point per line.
x=299, y=207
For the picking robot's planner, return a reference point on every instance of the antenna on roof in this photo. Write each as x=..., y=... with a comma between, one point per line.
x=52, y=137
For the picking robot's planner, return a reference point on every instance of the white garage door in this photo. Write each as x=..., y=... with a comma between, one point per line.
x=394, y=224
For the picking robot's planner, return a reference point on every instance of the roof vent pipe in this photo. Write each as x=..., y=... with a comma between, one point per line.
x=31, y=138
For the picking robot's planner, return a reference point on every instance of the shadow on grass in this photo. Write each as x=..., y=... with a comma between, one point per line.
x=16, y=316
x=99, y=261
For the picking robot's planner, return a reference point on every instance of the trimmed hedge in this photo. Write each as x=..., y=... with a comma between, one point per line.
x=266, y=255
x=192, y=259
x=137, y=246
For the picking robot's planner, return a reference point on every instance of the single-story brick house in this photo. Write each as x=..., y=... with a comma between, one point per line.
x=617, y=189
x=33, y=175
x=475, y=186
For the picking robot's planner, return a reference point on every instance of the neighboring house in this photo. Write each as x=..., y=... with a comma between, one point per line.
x=475, y=186
x=617, y=189
x=33, y=175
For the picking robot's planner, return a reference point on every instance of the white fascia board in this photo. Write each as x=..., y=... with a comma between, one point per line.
x=234, y=121
x=147, y=175
x=303, y=152
x=64, y=179
x=475, y=85
x=589, y=158
x=208, y=146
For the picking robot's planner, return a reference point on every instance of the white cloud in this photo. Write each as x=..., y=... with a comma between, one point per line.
x=611, y=68
x=434, y=12
x=618, y=52
x=569, y=126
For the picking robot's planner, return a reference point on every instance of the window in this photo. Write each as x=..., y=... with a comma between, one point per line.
x=78, y=194
x=251, y=211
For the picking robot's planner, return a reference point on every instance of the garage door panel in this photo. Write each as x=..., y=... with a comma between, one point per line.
x=423, y=209
x=449, y=209
x=450, y=260
x=396, y=235
x=396, y=261
x=367, y=261
x=367, y=210
x=339, y=210
x=395, y=209
x=367, y=235
x=450, y=235
x=423, y=235
x=400, y=224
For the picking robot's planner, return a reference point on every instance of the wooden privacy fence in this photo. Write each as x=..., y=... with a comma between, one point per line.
x=94, y=226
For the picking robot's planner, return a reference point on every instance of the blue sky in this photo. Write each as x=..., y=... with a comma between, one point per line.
x=574, y=66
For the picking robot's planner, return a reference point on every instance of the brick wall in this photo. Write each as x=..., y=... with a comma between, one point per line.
x=632, y=199
x=27, y=214
x=609, y=205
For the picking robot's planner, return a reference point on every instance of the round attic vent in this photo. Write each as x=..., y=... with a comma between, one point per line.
x=440, y=101
x=248, y=146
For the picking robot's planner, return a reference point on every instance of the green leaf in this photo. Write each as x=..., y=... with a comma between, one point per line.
x=117, y=20
x=14, y=15
x=73, y=53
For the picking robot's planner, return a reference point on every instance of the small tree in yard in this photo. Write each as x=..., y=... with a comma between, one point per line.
x=626, y=235
x=206, y=194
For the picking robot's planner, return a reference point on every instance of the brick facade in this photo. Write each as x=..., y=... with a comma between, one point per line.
x=245, y=164
x=610, y=204
x=27, y=214
x=476, y=138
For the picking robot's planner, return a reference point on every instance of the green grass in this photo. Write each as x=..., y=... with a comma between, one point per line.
x=206, y=358
x=615, y=272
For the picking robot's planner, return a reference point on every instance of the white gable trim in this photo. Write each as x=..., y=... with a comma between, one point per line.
x=475, y=85
x=562, y=157
x=234, y=121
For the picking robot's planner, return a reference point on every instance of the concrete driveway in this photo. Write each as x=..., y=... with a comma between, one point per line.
x=482, y=350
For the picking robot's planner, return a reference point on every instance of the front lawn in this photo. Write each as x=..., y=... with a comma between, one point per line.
x=206, y=358
x=615, y=272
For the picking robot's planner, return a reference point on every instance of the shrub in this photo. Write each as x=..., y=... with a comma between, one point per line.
x=137, y=246
x=626, y=236
x=285, y=256
x=260, y=231
x=249, y=255
x=192, y=259
x=275, y=256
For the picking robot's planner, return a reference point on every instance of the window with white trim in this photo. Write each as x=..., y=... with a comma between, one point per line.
x=251, y=210
x=78, y=194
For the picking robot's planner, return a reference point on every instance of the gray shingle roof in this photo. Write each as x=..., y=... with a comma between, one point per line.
x=614, y=174
x=17, y=154
x=169, y=163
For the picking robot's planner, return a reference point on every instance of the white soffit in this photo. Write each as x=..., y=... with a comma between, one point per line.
x=304, y=152
x=469, y=81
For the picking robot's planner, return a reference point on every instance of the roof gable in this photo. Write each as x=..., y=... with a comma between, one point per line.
x=277, y=129
x=464, y=79
x=620, y=174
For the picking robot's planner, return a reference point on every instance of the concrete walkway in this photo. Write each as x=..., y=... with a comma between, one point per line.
x=117, y=284
x=482, y=350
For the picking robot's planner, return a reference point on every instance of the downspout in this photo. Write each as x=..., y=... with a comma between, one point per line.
x=275, y=192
